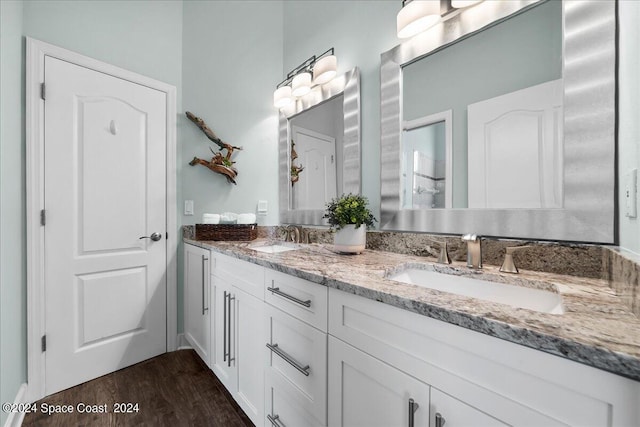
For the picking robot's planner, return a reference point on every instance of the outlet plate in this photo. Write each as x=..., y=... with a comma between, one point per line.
x=188, y=207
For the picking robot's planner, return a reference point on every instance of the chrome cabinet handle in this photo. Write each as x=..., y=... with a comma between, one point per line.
x=224, y=328
x=277, y=291
x=275, y=420
x=155, y=237
x=204, y=309
x=439, y=420
x=413, y=407
x=274, y=348
x=229, y=358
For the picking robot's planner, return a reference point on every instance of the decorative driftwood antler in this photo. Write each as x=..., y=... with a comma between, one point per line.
x=218, y=163
x=295, y=170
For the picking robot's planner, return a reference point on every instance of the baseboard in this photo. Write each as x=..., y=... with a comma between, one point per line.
x=183, y=344
x=15, y=418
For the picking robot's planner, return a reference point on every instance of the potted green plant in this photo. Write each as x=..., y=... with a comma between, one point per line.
x=350, y=217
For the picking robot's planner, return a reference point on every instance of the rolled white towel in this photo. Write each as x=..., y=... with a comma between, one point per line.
x=209, y=218
x=247, y=218
x=228, y=218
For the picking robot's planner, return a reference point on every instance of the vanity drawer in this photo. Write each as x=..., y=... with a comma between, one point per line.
x=285, y=404
x=297, y=353
x=241, y=274
x=300, y=298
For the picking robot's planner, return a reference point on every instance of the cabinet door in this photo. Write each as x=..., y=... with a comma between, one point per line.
x=368, y=392
x=248, y=354
x=446, y=409
x=196, y=300
x=222, y=362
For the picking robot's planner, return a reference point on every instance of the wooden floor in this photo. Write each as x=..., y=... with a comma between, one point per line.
x=174, y=389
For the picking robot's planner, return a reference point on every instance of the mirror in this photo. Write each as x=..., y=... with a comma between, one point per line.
x=319, y=149
x=523, y=123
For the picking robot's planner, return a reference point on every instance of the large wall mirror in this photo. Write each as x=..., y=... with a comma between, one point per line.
x=319, y=149
x=500, y=121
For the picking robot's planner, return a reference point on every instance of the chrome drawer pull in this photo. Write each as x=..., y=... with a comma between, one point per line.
x=277, y=291
x=439, y=420
x=204, y=309
x=274, y=420
x=274, y=348
x=224, y=328
x=413, y=407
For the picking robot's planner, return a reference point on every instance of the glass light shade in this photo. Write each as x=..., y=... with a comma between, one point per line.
x=417, y=16
x=282, y=97
x=325, y=69
x=459, y=4
x=301, y=84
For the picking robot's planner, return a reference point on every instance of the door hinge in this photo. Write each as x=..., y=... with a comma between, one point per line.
x=43, y=343
x=43, y=91
x=166, y=235
x=43, y=217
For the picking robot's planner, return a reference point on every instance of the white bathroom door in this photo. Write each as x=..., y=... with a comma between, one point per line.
x=515, y=149
x=105, y=187
x=317, y=154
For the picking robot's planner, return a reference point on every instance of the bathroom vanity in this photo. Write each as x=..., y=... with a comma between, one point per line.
x=301, y=336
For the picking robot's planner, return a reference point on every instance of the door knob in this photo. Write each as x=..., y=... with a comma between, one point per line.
x=155, y=237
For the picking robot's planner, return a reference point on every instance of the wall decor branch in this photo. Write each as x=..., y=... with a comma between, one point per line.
x=295, y=170
x=219, y=163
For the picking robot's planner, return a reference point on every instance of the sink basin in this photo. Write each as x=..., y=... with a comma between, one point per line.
x=515, y=296
x=274, y=249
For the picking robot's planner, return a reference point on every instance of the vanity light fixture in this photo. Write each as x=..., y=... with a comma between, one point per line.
x=417, y=16
x=459, y=4
x=282, y=97
x=299, y=82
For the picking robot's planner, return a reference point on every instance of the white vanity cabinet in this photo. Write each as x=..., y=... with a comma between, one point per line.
x=238, y=332
x=197, y=320
x=367, y=392
x=296, y=344
x=474, y=379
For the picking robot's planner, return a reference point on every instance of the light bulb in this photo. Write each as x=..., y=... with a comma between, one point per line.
x=325, y=69
x=282, y=97
x=301, y=84
x=417, y=16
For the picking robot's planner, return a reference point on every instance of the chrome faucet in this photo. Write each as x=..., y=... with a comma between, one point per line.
x=474, y=250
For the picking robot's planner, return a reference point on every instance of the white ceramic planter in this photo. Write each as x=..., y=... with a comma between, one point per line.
x=350, y=239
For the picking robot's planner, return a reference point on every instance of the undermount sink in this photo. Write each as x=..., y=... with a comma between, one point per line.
x=274, y=249
x=513, y=295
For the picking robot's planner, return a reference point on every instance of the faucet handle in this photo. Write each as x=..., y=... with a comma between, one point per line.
x=508, y=266
x=444, y=254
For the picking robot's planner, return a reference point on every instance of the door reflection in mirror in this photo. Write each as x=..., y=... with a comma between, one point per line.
x=317, y=138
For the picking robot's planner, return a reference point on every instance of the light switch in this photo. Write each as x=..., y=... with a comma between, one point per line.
x=262, y=207
x=631, y=193
x=188, y=207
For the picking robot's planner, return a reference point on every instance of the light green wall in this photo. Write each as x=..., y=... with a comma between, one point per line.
x=13, y=322
x=521, y=52
x=140, y=36
x=360, y=31
x=232, y=61
x=629, y=112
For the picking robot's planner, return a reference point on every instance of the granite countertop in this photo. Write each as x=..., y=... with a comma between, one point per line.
x=596, y=329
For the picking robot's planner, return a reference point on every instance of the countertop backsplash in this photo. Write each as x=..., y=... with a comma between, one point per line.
x=619, y=267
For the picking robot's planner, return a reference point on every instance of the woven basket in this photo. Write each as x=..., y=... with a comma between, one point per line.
x=226, y=231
